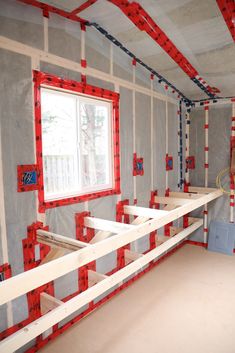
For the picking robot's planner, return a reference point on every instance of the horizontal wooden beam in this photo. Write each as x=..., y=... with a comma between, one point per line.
x=29, y=280
x=171, y=200
x=143, y=211
x=169, y=207
x=175, y=230
x=139, y=220
x=185, y=195
x=29, y=332
x=104, y=225
x=99, y=236
x=59, y=241
x=200, y=190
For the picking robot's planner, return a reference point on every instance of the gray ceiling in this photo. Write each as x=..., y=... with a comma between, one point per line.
x=196, y=27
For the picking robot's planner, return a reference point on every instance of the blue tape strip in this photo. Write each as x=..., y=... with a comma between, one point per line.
x=181, y=145
x=152, y=71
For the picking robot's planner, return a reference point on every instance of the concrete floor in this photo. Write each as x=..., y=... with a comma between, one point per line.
x=184, y=305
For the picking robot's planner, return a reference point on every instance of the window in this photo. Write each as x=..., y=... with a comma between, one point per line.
x=76, y=144
x=78, y=138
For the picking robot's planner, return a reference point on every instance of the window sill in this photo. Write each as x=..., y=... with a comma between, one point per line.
x=77, y=199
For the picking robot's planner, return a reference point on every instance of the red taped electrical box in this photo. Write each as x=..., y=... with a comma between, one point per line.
x=27, y=177
x=169, y=162
x=138, y=165
x=190, y=162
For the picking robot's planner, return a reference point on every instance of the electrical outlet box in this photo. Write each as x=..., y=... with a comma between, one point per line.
x=221, y=237
x=169, y=162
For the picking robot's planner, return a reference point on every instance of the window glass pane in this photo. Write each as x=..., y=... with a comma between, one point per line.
x=95, y=143
x=59, y=140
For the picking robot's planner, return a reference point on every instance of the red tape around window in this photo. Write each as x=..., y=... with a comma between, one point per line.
x=41, y=78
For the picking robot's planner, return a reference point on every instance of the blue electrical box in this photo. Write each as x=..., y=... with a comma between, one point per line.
x=221, y=237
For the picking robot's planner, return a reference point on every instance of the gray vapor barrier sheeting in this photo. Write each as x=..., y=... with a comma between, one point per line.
x=18, y=24
x=143, y=147
x=159, y=152
x=25, y=24
x=219, y=157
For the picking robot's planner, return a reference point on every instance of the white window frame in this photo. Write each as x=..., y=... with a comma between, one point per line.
x=84, y=190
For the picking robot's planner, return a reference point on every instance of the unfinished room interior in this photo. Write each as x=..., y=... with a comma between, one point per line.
x=117, y=176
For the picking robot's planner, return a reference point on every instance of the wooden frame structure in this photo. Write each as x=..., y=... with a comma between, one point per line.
x=147, y=221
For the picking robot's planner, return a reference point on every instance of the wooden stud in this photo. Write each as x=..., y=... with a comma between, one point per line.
x=140, y=220
x=48, y=303
x=104, y=225
x=53, y=254
x=94, y=278
x=143, y=211
x=100, y=235
x=131, y=256
x=59, y=241
x=175, y=230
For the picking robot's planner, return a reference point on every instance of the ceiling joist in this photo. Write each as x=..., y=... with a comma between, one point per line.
x=83, y=7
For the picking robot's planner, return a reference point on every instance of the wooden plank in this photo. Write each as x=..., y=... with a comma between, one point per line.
x=29, y=280
x=95, y=277
x=3, y=229
x=48, y=303
x=100, y=235
x=29, y=332
x=52, y=255
x=170, y=207
x=59, y=241
x=131, y=256
x=161, y=239
x=139, y=220
x=144, y=211
x=175, y=230
x=192, y=220
x=104, y=225
x=171, y=200
x=185, y=195
x=200, y=190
